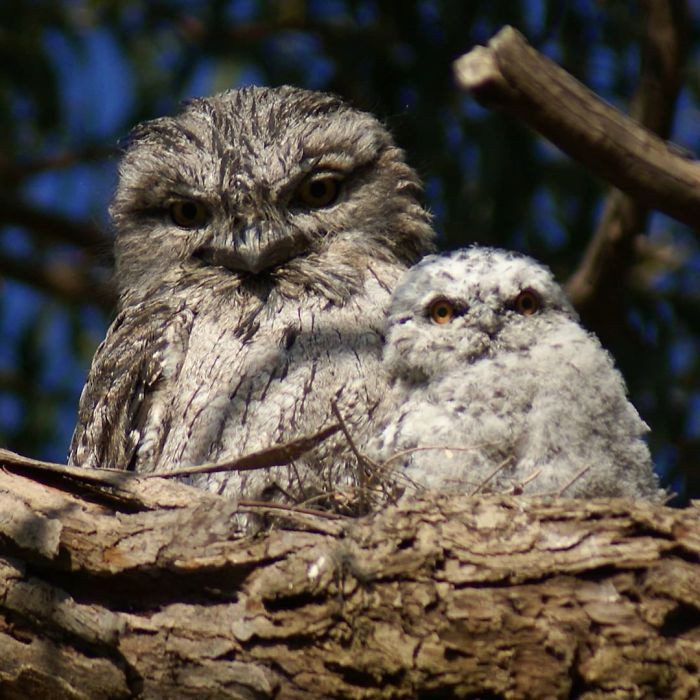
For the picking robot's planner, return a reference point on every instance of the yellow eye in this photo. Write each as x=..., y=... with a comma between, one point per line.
x=528, y=302
x=441, y=311
x=319, y=190
x=188, y=213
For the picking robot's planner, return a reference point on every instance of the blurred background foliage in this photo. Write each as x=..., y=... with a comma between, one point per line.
x=75, y=75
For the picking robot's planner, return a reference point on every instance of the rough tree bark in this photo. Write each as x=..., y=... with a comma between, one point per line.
x=116, y=586
x=144, y=588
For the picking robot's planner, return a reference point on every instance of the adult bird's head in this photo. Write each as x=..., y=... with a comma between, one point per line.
x=282, y=184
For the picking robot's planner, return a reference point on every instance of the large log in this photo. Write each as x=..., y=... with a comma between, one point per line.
x=147, y=589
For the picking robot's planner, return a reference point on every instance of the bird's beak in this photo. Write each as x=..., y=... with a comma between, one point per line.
x=255, y=248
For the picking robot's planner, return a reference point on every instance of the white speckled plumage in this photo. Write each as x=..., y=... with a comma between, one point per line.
x=533, y=400
x=236, y=331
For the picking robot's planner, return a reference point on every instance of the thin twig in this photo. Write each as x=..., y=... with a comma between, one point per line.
x=73, y=283
x=560, y=493
x=362, y=460
x=508, y=460
x=52, y=226
x=422, y=448
x=532, y=477
x=276, y=456
x=270, y=505
x=343, y=427
x=14, y=172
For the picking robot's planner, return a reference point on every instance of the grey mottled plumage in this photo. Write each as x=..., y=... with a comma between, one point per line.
x=485, y=353
x=259, y=235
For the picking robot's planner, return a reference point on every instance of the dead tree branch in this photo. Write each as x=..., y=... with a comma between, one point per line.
x=511, y=76
x=611, y=252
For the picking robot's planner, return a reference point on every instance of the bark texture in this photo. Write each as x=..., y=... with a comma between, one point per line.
x=143, y=588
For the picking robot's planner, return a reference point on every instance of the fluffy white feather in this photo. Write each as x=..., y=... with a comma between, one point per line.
x=531, y=400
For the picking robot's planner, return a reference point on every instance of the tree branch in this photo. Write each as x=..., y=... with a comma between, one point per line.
x=13, y=172
x=511, y=76
x=54, y=227
x=611, y=251
x=72, y=283
x=437, y=596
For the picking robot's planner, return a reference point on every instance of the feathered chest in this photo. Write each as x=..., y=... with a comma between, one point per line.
x=259, y=371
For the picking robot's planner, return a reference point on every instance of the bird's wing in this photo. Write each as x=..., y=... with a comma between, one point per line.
x=142, y=351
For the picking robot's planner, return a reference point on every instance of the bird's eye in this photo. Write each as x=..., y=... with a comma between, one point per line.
x=188, y=213
x=528, y=302
x=441, y=311
x=319, y=190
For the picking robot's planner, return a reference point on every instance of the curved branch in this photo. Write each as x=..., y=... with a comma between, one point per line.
x=510, y=75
